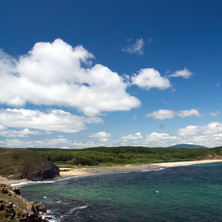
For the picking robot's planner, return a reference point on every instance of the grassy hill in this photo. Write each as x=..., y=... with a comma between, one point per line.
x=22, y=163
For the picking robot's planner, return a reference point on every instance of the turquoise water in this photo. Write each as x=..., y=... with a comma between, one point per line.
x=192, y=193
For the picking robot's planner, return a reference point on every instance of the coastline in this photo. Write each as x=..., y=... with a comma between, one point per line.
x=129, y=168
x=87, y=171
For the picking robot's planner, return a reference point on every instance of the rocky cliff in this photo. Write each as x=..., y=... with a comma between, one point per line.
x=14, y=207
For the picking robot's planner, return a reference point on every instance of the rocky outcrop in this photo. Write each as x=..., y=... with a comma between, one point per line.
x=26, y=164
x=17, y=176
x=48, y=171
x=14, y=207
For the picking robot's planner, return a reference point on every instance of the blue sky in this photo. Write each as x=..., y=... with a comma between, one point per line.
x=79, y=74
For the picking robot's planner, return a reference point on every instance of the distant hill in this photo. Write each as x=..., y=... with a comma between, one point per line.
x=21, y=163
x=187, y=146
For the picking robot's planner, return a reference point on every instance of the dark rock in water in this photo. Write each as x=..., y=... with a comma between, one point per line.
x=16, y=190
x=18, y=208
x=40, y=207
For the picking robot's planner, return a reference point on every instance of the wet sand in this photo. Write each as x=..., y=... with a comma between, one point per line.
x=4, y=180
x=107, y=169
x=85, y=171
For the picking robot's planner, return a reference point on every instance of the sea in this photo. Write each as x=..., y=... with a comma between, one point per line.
x=190, y=193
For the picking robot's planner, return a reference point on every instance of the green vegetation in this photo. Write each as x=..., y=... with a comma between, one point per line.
x=126, y=155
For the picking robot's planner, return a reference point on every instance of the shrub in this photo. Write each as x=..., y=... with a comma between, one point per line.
x=84, y=161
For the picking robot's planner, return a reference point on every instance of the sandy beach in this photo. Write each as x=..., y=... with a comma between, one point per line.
x=85, y=171
x=4, y=180
x=128, y=168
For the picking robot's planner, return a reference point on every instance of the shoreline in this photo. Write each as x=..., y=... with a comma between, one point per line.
x=129, y=168
x=87, y=171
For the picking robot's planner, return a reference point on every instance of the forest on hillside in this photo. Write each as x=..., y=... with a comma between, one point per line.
x=125, y=155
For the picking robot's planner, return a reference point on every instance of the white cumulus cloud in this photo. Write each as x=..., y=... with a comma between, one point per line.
x=150, y=78
x=52, y=120
x=186, y=113
x=185, y=73
x=58, y=74
x=212, y=128
x=18, y=133
x=162, y=114
x=102, y=136
x=135, y=136
x=160, y=138
x=209, y=129
x=135, y=48
x=49, y=143
x=189, y=130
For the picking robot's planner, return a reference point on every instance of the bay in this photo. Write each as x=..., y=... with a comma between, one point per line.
x=191, y=193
